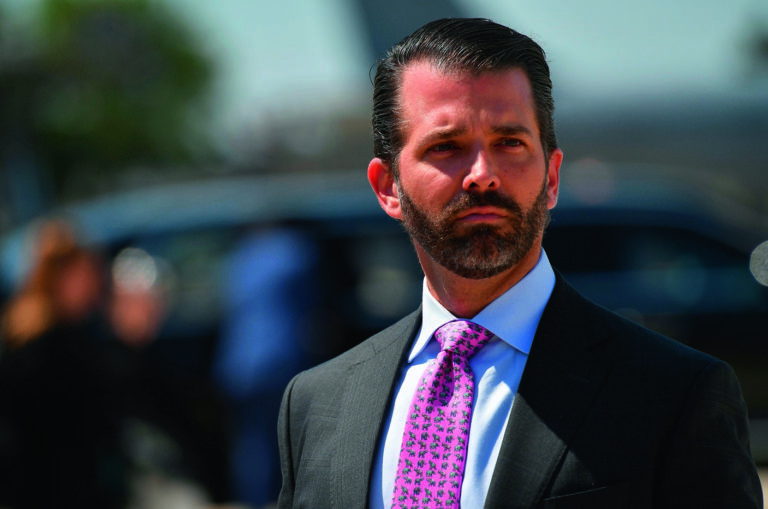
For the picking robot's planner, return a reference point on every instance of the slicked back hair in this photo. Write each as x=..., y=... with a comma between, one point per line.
x=471, y=45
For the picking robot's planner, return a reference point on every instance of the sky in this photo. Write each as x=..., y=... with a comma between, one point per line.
x=306, y=49
x=308, y=56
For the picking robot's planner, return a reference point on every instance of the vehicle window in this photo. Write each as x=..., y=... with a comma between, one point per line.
x=654, y=269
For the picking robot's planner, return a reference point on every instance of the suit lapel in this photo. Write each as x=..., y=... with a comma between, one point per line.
x=561, y=380
x=363, y=409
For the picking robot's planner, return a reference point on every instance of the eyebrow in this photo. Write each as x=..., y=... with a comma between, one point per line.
x=512, y=130
x=503, y=130
x=445, y=134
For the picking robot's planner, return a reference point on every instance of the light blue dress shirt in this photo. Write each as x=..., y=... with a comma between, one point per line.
x=498, y=367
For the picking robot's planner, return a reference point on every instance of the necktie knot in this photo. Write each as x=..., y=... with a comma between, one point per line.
x=462, y=337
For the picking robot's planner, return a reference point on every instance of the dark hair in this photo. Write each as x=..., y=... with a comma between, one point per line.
x=452, y=45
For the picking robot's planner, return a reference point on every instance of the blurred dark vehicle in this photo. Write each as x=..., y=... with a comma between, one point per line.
x=663, y=253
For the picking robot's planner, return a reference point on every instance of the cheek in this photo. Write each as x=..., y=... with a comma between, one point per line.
x=429, y=188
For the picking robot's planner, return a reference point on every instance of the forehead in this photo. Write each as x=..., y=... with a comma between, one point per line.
x=428, y=94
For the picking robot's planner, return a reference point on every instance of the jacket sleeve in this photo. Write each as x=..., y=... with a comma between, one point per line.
x=709, y=464
x=285, y=500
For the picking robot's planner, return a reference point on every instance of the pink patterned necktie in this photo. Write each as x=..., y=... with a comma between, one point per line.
x=433, y=453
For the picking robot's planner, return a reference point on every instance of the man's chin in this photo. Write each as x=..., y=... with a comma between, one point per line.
x=483, y=262
x=468, y=269
x=471, y=232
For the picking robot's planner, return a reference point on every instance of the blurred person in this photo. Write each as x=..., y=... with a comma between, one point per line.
x=65, y=287
x=172, y=423
x=59, y=437
x=138, y=303
x=268, y=280
x=506, y=388
x=87, y=408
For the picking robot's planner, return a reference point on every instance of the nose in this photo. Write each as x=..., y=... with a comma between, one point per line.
x=482, y=175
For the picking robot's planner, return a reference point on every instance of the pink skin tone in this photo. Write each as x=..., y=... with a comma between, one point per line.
x=468, y=133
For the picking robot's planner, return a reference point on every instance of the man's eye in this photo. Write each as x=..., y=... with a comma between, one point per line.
x=443, y=147
x=512, y=143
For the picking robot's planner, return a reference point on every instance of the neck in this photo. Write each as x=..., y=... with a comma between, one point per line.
x=465, y=298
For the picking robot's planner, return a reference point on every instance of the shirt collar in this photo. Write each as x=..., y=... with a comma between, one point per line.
x=513, y=317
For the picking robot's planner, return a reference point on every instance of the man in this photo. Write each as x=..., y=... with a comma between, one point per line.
x=569, y=405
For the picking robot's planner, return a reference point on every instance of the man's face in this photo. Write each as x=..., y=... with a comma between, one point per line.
x=474, y=187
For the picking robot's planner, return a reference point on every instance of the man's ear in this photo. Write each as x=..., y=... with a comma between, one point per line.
x=384, y=186
x=553, y=177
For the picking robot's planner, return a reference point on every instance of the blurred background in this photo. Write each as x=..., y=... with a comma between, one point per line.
x=185, y=220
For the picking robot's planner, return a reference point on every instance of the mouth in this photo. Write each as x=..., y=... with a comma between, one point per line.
x=481, y=215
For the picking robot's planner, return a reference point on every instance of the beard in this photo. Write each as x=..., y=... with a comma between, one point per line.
x=477, y=251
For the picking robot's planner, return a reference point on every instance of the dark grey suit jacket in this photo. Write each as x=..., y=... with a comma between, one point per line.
x=607, y=415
